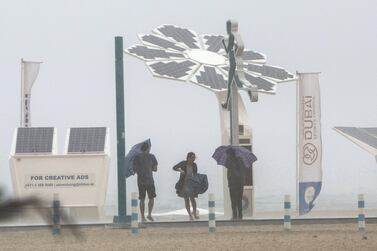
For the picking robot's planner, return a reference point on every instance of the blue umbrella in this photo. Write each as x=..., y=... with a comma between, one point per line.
x=199, y=183
x=247, y=157
x=135, y=150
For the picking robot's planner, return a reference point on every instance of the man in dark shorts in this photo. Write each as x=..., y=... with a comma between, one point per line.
x=143, y=165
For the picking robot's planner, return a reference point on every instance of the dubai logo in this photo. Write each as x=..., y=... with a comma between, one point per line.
x=310, y=154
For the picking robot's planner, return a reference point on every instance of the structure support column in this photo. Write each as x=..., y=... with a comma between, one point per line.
x=234, y=129
x=122, y=194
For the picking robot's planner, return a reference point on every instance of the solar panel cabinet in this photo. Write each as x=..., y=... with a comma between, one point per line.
x=80, y=176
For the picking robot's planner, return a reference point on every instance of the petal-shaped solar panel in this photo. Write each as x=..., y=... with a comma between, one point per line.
x=263, y=84
x=366, y=138
x=174, y=69
x=155, y=40
x=180, y=35
x=210, y=77
x=253, y=56
x=213, y=43
x=276, y=73
x=148, y=53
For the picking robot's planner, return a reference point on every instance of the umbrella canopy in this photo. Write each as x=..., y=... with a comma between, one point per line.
x=199, y=183
x=247, y=157
x=365, y=138
x=135, y=150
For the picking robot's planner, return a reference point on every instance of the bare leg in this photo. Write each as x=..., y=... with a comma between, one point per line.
x=150, y=207
x=233, y=200
x=187, y=205
x=142, y=207
x=193, y=203
x=239, y=203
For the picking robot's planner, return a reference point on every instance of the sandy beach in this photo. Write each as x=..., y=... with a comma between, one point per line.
x=238, y=237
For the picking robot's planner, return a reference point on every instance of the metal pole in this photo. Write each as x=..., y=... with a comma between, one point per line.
x=297, y=143
x=22, y=94
x=234, y=130
x=122, y=195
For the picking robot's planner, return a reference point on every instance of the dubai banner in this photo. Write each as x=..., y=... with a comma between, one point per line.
x=309, y=141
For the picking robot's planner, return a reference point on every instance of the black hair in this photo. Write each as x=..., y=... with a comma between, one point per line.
x=144, y=147
x=189, y=155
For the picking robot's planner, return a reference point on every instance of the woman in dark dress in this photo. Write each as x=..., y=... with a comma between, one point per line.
x=236, y=180
x=188, y=169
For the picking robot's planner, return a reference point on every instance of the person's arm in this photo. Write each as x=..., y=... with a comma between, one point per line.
x=179, y=167
x=155, y=163
x=134, y=165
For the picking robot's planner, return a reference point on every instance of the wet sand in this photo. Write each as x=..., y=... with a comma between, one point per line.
x=240, y=237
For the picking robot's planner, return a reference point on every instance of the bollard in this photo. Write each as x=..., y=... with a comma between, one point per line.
x=287, y=212
x=361, y=216
x=134, y=215
x=211, y=213
x=56, y=214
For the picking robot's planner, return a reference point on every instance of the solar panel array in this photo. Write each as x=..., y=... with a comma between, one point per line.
x=32, y=140
x=270, y=71
x=213, y=43
x=249, y=55
x=179, y=53
x=181, y=35
x=173, y=69
x=210, y=77
x=161, y=42
x=87, y=140
x=365, y=135
x=147, y=53
x=262, y=83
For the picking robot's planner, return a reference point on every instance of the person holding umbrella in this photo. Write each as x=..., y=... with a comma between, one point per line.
x=236, y=179
x=144, y=165
x=184, y=187
x=235, y=159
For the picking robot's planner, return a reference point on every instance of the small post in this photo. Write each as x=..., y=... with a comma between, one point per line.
x=211, y=213
x=287, y=212
x=361, y=216
x=134, y=215
x=56, y=214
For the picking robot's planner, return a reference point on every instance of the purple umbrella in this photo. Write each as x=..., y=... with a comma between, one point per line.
x=247, y=157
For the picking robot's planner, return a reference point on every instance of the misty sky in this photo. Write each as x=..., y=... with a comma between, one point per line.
x=76, y=84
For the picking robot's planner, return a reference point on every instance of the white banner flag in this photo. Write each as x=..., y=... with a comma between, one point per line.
x=29, y=73
x=309, y=141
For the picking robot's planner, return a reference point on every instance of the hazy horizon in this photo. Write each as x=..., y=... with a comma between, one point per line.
x=76, y=84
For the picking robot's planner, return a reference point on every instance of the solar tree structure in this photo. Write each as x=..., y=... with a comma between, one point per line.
x=365, y=138
x=179, y=53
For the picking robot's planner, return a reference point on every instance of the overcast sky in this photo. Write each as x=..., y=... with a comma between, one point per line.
x=76, y=85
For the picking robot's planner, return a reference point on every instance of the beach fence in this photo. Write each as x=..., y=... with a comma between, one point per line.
x=56, y=214
x=361, y=216
x=134, y=214
x=211, y=213
x=287, y=212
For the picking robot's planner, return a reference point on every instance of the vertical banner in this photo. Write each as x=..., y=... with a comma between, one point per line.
x=29, y=73
x=309, y=151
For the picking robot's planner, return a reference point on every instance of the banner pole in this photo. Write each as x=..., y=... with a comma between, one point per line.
x=22, y=94
x=297, y=140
